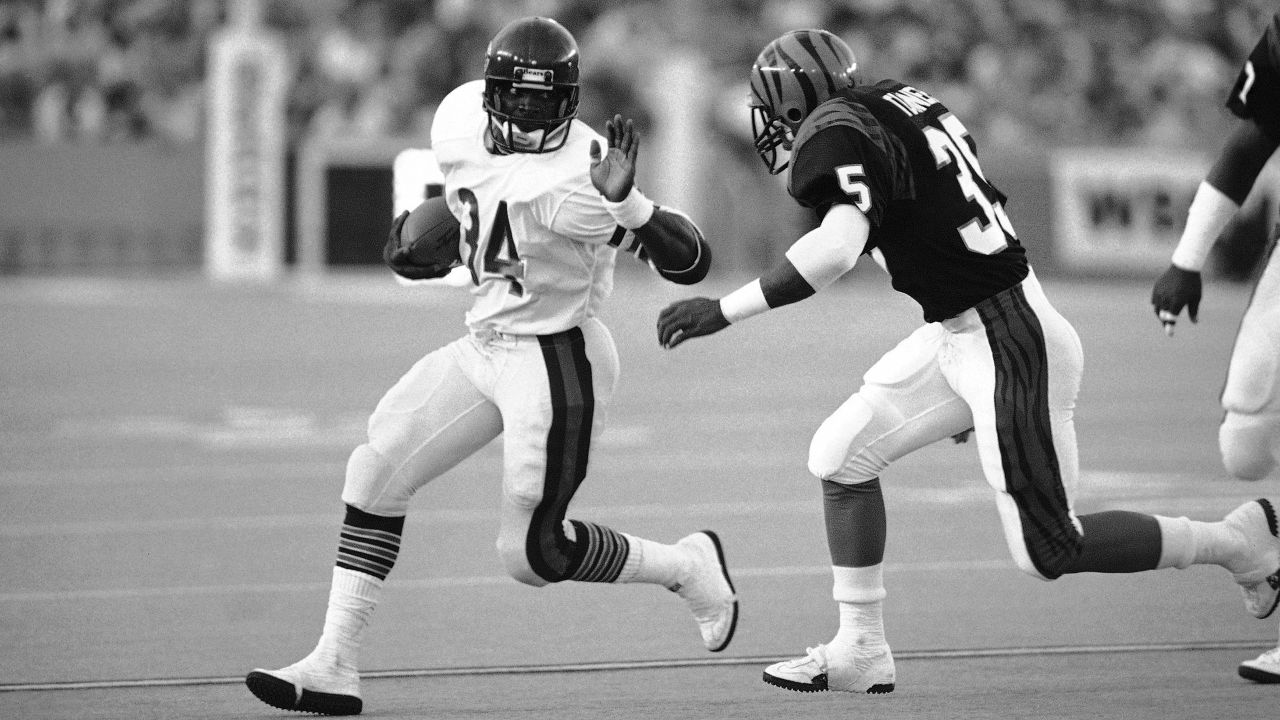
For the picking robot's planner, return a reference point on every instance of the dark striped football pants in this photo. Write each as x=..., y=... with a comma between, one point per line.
x=1010, y=368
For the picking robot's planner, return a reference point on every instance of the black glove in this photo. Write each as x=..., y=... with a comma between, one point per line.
x=1174, y=290
x=400, y=259
x=690, y=318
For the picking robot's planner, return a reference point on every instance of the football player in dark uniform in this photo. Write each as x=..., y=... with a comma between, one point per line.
x=1249, y=436
x=894, y=174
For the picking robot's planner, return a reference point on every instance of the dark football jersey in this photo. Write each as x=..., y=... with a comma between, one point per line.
x=902, y=158
x=1256, y=94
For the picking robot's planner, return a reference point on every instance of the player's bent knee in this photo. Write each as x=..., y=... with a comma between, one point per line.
x=368, y=481
x=829, y=448
x=522, y=485
x=515, y=559
x=1247, y=447
x=1245, y=465
x=1027, y=567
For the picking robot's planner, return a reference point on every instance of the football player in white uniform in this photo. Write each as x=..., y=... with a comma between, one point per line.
x=543, y=213
x=1249, y=435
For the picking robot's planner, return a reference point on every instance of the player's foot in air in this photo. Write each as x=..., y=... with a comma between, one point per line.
x=861, y=670
x=708, y=590
x=308, y=686
x=1263, y=669
x=1257, y=571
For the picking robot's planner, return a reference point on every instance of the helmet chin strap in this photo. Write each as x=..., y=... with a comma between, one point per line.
x=540, y=140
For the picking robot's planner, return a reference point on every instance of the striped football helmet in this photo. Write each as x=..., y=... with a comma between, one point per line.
x=791, y=77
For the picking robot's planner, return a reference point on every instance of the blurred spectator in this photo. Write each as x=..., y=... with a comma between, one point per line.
x=1042, y=71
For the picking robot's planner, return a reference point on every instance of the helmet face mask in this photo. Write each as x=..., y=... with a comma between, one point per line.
x=531, y=86
x=773, y=138
x=791, y=77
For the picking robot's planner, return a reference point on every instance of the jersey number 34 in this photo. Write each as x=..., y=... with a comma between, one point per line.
x=497, y=255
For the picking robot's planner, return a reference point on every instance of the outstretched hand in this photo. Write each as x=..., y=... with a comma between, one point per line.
x=690, y=318
x=614, y=173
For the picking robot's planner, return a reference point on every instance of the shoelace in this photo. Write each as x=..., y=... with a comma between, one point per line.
x=816, y=655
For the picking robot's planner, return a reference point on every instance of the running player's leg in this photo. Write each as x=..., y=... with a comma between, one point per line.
x=903, y=405
x=1018, y=363
x=430, y=420
x=1020, y=375
x=1249, y=436
x=553, y=396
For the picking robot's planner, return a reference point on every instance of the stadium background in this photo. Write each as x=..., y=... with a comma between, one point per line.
x=172, y=445
x=92, y=91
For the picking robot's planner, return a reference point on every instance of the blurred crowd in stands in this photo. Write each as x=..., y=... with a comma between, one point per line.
x=1020, y=72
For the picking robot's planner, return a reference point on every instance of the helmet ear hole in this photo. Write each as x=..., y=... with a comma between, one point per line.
x=794, y=115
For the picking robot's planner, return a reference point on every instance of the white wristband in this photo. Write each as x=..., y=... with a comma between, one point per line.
x=744, y=302
x=1209, y=213
x=634, y=210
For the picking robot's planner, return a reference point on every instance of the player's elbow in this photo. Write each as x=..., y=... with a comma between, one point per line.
x=693, y=272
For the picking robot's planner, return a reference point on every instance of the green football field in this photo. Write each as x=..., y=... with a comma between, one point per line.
x=172, y=452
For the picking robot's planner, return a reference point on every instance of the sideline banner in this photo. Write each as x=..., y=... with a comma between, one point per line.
x=1121, y=210
x=246, y=150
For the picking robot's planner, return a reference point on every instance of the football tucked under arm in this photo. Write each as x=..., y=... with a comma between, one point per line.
x=424, y=243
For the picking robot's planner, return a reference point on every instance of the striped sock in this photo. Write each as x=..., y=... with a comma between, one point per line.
x=602, y=553
x=369, y=543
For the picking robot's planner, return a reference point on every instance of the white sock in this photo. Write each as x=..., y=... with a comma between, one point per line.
x=653, y=562
x=1185, y=542
x=861, y=625
x=352, y=599
x=857, y=584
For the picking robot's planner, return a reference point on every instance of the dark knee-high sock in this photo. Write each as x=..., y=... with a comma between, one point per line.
x=855, y=521
x=1118, y=541
x=856, y=529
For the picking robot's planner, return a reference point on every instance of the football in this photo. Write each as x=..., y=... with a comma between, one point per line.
x=431, y=233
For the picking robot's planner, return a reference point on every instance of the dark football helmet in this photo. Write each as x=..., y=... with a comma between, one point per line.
x=793, y=75
x=531, y=86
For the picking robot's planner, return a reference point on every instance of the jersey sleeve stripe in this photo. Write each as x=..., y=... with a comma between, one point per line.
x=618, y=234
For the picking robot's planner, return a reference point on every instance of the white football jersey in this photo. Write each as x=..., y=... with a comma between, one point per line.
x=535, y=231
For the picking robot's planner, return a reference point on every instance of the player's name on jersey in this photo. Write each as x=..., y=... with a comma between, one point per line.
x=910, y=100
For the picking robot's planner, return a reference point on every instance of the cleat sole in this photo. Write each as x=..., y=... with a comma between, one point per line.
x=281, y=694
x=1258, y=676
x=818, y=684
x=724, y=570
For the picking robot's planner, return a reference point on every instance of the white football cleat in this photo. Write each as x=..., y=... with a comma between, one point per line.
x=708, y=590
x=1258, y=573
x=1263, y=669
x=308, y=686
x=864, y=670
